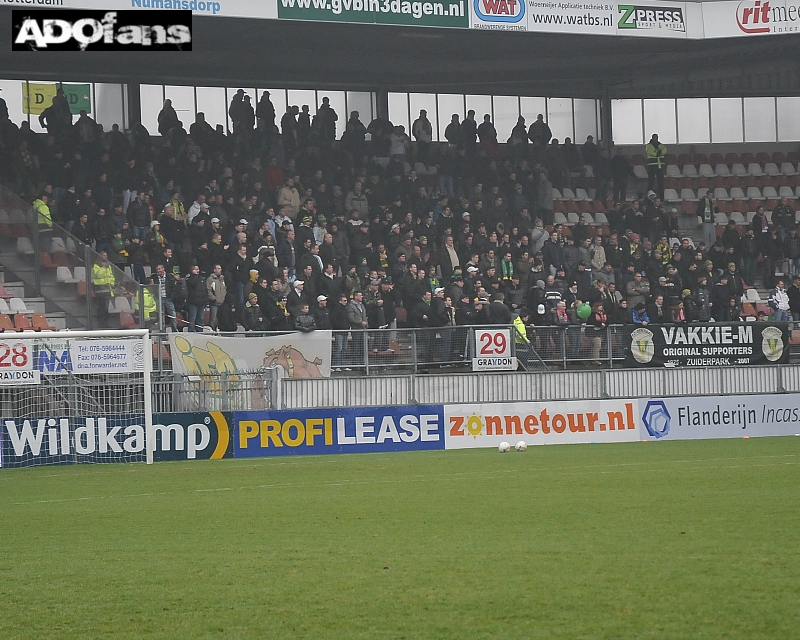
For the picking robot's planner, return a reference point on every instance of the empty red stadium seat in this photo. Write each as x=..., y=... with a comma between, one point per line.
x=40, y=323
x=22, y=322
x=127, y=321
x=747, y=181
x=45, y=261
x=778, y=157
x=731, y=158
x=5, y=323
x=765, y=181
x=716, y=158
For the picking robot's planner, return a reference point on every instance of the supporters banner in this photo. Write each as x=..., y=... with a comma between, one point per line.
x=705, y=345
x=192, y=436
x=469, y=426
x=259, y=434
x=299, y=355
x=697, y=418
x=36, y=97
x=444, y=13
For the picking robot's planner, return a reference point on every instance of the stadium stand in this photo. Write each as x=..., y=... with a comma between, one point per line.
x=238, y=232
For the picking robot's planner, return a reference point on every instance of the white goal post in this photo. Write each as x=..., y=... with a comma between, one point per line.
x=76, y=397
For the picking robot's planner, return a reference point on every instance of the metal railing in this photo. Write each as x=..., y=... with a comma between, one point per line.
x=266, y=390
x=220, y=392
x=401, y=350
x=42, y=249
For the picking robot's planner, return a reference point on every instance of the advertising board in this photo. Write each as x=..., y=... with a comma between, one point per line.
x=74, y=355
x=116, y=438
x=697, y=418
x=487, y=425
x=750, y=18
x=492, y=350
x=442, y=13
x=321, y=431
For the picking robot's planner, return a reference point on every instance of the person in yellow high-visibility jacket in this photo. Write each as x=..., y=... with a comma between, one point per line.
x=523, y=344
x=43, y=216
x=520, y=329
x=103, y=279
x=44, y=220
x=150, y=305
x=655, y=165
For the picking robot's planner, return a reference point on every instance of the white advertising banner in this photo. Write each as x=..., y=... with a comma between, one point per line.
x=17, y=378
x=299, y=355
x=107, y=356
x=223, y=8
x=696, y=20
x=76, y=355
x=492, y=350
x=657, y=19
x=750, y=18
x=469, y=426
x=699, y=418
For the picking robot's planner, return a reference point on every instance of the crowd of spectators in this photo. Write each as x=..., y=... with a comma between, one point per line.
x=285, y=224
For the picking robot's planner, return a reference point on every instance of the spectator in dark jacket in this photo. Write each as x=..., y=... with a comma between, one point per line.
x=197, y=298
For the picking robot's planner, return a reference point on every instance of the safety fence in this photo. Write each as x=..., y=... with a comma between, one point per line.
x=267, y=390
x=432, y=348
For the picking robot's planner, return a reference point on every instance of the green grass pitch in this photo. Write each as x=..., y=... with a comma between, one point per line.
x=643, y=540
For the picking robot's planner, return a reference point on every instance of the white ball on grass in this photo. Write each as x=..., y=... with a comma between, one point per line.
x=504, y=447
x=521, y=446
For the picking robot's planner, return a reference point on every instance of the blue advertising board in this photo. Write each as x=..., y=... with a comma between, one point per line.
x=114, y=438
x=321, y=431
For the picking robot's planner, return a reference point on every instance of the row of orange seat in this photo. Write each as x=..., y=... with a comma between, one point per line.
x=21, y=322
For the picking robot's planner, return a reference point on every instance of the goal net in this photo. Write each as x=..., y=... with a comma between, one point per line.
x=75, y=397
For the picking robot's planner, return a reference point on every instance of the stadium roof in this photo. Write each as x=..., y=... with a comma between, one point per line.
x=294, y=54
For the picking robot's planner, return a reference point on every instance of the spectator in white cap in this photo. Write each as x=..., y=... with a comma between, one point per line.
x=297, y=298
x=322, y=315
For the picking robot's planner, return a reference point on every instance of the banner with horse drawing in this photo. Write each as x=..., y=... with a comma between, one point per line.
x=298, y=355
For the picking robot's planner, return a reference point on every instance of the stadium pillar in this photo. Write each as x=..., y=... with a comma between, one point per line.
x=382, y=102
x=606, y=130
x=134, y=105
